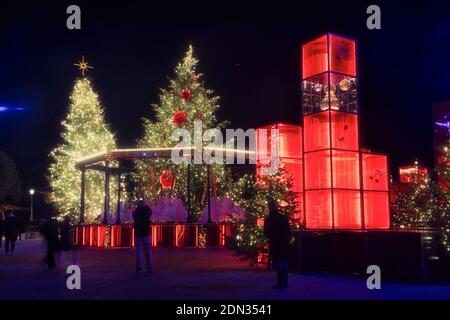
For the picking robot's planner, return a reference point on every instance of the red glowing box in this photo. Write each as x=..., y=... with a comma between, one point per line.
x=289, y=141
x=329, y=53
x=318, y=209
x=317, y=170
x=288, y=150
x=346, y=170
x=344, y=131
x=410, y=174
x=375, y=172
x=376, y=210
x=317, y=131
x=347, y=209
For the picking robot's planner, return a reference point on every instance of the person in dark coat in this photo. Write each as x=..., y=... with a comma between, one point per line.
x=142, y=235
x=2, y=226
x=278, y=231
x=11, y=232
x=50, y=232
x=66, y=233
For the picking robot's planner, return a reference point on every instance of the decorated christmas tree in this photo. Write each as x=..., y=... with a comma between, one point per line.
x=443, y=174
x=253, y=197
x=84, y=133
x=426, y=204
x=185, y=101
x=418, y=206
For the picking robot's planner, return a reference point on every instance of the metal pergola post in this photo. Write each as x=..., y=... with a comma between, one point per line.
x=118, y=221
x=105, y=213
x=83, y=187
x=208, y=173
x=189, y=190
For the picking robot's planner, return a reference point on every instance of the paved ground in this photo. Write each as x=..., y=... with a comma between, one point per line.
x=180, y=274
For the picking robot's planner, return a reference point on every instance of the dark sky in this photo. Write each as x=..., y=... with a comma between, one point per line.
x=249, y=54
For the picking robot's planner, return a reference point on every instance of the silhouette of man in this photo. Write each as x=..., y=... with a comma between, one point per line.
x=278, y=231
x=11, y=231
x=142, y=235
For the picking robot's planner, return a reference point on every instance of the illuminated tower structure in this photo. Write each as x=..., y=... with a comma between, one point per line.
x=344, y=188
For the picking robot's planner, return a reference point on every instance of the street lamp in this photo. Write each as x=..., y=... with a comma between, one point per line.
x=31, y=204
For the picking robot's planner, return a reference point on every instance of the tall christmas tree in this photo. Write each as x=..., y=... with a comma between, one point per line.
x=84, y=133
x=186, y=101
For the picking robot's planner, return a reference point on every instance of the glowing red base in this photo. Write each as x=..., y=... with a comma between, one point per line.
x=163, y=235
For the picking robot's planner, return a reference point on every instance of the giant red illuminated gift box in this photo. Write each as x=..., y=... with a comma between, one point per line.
x=329, y=53
x=343, y=187
x=413, y=173
x=375, y=191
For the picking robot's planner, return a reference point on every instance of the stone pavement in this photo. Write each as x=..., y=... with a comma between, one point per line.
x=180, y=273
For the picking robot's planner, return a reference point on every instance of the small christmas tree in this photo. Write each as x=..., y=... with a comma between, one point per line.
x=186, y=101
x=443, y=174
x=84, y=133
x=253, y=197
x=426, y=204
x=417, y=207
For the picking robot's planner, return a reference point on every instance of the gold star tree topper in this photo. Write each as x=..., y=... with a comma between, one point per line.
x=83, y=65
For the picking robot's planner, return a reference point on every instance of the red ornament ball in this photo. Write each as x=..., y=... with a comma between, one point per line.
x=179, y=118
x=186, y=94
x=167, y=179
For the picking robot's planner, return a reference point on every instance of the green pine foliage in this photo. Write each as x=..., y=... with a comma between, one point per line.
x=426, y=204
x=188, y=96
x=84, y=133
x=443, y=174
x=252, y=194
x=417, y=207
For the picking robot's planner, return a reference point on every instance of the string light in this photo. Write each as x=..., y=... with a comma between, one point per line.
x=148, y=153
x=252, y=197
x=84, y=133
x=426, y=204
x=202, y=105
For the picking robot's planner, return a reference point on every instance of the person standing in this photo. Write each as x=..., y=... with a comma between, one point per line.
x=2, y=226
x=50, y=232
x=66, y=233
x=278, y=231
x=142, y=235
x=11, y=232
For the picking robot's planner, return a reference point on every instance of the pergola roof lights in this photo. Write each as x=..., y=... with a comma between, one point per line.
x=92, y=161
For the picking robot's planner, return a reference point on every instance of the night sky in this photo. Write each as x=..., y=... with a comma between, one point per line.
x=250, y=56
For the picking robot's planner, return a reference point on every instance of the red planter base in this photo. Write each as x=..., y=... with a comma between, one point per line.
x=163, y=235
